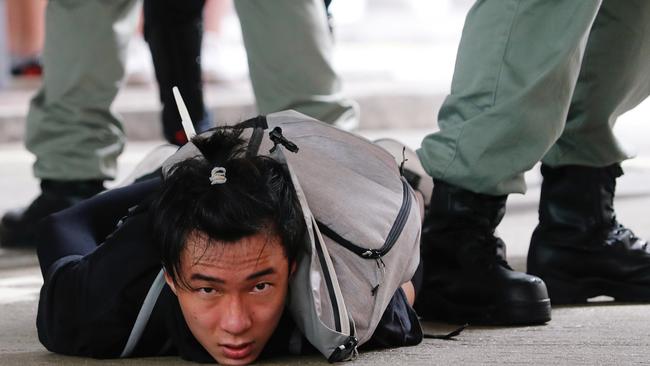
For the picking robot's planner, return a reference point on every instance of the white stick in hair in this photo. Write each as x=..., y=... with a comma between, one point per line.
x=188, y=127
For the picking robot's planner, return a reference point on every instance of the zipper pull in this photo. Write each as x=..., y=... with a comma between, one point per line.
x=381, y=264
x=381, y=268
x=374, y=290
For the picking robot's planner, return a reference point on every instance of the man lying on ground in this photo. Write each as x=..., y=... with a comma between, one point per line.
x=228, y=230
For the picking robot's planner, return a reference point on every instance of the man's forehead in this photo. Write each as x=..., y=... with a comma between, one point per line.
x=245, y=253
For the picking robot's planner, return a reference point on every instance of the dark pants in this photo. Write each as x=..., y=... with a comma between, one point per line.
x=174, y=29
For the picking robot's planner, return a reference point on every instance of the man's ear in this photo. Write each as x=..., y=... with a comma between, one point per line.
x=292, y=268
x=170, y=282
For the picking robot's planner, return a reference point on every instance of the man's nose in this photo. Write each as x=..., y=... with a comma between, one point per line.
x=236, y=319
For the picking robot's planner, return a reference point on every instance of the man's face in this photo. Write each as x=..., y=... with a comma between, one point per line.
x=236, y=294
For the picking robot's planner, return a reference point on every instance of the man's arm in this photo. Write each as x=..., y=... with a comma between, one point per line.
x=79, y=229
x=91, y=292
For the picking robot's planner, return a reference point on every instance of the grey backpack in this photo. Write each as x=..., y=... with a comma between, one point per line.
x=363, y=223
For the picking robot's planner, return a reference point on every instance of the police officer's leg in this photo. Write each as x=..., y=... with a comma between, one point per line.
x=516, y=69
x=70, y=128
x=578, y=248
x=174, y=30
x=289, y=49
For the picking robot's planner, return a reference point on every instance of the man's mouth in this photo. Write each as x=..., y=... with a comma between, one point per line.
x=237, y=351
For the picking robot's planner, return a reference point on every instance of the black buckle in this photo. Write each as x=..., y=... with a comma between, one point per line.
x=276, y=136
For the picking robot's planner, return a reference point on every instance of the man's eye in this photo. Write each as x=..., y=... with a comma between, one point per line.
x=206, y=290
x=262, y=286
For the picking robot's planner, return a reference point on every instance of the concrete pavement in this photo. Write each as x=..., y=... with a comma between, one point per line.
x=588, y=335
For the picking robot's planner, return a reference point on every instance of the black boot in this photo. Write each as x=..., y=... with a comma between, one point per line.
x=579, y=248
x=466, y=276
x=17, y=228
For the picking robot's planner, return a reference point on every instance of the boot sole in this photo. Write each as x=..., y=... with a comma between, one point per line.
x=507, y=313
x=565, y=292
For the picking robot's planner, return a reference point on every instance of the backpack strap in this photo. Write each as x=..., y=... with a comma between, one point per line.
x=259, y=124
x=255, y=122
x=144, y=314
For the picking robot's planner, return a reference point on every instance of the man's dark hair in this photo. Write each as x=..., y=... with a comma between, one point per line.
x=257, y=197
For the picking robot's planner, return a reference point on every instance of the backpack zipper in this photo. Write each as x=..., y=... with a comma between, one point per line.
x=376, y=254
x=391, y=238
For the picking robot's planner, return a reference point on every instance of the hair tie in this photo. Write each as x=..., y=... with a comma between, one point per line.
x=218, y=175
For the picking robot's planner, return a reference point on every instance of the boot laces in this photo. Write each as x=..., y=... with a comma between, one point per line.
x=621, y=235
x=491, y=253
